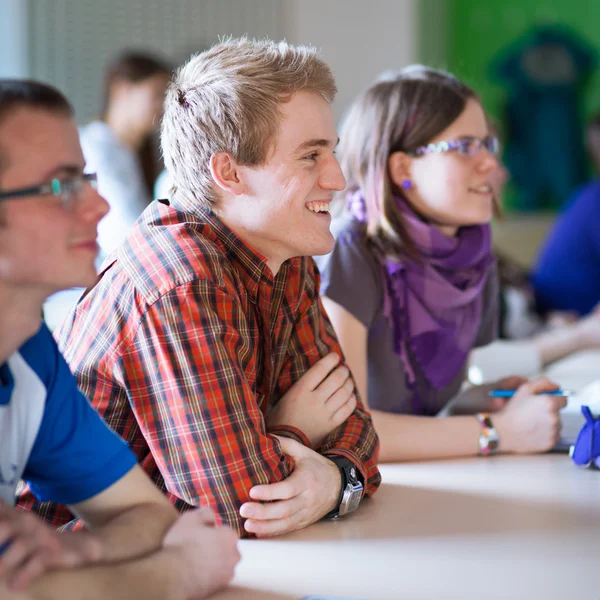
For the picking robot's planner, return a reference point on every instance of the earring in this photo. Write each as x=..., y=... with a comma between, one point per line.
x=407, y=184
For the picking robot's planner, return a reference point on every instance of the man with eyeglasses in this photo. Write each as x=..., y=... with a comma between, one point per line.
x=49, y=434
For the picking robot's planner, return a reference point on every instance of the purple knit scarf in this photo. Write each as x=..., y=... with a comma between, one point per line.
x=435, y=307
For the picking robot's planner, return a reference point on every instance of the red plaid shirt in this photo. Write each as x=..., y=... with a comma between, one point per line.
x=185, y=343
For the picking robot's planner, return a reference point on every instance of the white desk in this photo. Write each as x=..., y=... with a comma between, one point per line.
x=503, y=528
x=500, y=528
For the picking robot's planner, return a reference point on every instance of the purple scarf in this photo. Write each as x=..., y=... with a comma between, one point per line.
x=434, y=307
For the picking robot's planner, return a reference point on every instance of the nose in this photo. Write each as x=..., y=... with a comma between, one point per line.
x=92, y=206
x=332, y=177
x=487, y=161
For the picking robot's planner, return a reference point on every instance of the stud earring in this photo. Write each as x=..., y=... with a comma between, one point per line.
x=407, y=184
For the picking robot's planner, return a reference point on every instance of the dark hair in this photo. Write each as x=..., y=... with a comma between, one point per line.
x=131, y=66
x=26, y=93
x=134, y=66
x=16, y=93
x=397, y=113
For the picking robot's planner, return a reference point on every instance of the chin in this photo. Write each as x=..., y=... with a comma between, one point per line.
x=322, y=247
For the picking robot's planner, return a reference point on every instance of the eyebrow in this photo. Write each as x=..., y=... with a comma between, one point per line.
x=66, y=169
x=318, y=143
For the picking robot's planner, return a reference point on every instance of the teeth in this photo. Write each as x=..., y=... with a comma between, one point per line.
x=485, y=189
x=318, y=207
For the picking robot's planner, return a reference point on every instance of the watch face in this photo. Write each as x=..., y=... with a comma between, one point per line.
x=351, y=498
x=354, y=500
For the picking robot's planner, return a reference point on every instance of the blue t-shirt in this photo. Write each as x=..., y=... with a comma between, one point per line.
x=567, y=273
x=50, y=436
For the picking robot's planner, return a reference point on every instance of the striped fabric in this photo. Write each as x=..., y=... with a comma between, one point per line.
x=185, y=343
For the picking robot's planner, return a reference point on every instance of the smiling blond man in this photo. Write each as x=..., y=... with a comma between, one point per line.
x=205, y=340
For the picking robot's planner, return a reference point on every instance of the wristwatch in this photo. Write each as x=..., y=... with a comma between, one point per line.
x=489, y=440
x=352, y=488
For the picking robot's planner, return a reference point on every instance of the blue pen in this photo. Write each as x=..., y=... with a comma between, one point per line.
x=511, y=393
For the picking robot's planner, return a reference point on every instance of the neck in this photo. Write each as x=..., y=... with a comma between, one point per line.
x=120, y=125
x=448, y=230
x=236, y=222
x=20, y=317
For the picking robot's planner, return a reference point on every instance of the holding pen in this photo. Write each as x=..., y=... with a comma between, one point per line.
x=511, y=393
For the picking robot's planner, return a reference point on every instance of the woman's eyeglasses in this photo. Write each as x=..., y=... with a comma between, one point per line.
x=68, y=190
x=467, y=146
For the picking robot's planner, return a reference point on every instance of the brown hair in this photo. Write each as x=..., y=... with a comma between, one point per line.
x=25, y=93
x=135, y=67
x=228, y=99
x=397, y=113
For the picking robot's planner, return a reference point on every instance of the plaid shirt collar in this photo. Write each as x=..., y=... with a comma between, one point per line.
x=250, y=264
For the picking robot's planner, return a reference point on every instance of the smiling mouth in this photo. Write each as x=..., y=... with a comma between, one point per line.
x=482, y=189
x=318, y=207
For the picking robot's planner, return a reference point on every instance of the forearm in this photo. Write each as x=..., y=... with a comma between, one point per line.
x=358, y=440
x=557, y=343
x=157, y=576
x=408, y=437
x=136, y=532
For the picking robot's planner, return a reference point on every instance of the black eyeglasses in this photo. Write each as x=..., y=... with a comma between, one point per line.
x=68, y=190
x=468, y=146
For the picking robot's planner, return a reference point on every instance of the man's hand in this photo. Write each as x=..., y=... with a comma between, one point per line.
x=306, y=496
x=321, y=400
x=31, y=547
x=207, y=555
x=530, y=422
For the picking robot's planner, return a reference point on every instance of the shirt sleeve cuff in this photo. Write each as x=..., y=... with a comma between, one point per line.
x=291, y=432
x=354, y=460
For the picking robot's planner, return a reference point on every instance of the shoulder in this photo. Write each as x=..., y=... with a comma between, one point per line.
x=169, y=248
x=40, y=352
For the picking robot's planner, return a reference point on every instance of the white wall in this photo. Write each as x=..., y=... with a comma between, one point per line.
x=358, y=38
x=14, y=61
x=67, y=42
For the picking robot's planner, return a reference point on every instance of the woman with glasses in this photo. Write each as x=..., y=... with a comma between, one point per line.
x=411, y=286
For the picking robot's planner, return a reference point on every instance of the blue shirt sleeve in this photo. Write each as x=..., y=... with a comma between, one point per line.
x=566, y=274
x=75, y=456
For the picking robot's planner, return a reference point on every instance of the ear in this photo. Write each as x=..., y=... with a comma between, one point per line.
x=225, y=173
x=400, y=167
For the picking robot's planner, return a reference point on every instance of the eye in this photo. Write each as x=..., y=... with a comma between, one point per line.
x=311, y=156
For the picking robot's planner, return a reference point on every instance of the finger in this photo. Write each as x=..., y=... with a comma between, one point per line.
x=333, y=382
x=319, y=371
x=7, y=532
x=339, y=398
x=34, y=566
x=559, y=402
x=291, y=447
x=14, y=556
x=340, y=415
x=271, y=528
x=539, y=386
x=272, y=510
x=282, y=490
x=510, y=383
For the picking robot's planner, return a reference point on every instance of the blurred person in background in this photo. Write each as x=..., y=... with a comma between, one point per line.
x=120, y=147
x=566, y=276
